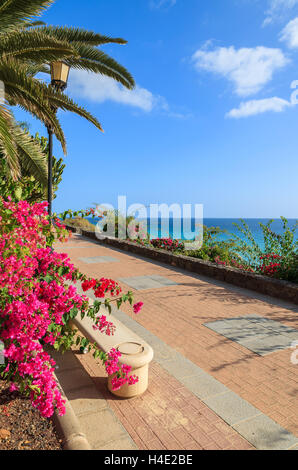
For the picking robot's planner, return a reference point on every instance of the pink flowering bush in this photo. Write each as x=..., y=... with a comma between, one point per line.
x=270, y=265
x=233, y=263
x=167, y=244
x=38, y=302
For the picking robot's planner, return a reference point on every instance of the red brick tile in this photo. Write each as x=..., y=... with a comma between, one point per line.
x=268, y=382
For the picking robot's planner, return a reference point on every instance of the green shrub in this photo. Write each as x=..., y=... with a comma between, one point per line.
x=27, y=187
x=81, y=223
x=213, y=249
x=278, y=257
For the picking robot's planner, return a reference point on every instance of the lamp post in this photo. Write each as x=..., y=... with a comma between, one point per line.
x=59, y=78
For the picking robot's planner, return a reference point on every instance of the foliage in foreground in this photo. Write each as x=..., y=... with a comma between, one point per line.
x=38, y=302
x=29, y=187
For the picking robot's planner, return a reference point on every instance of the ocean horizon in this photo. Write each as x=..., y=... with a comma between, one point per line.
x=158, y=229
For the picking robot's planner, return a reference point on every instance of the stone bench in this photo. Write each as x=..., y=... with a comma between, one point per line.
x=134, y=352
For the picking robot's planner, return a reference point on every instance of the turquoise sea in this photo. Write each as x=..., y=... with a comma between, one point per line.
x=155, y=228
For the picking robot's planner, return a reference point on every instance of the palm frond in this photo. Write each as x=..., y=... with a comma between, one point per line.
x=64, y=33
x=94, y=60
x=15, y=13
x=62, y=101
x=33, y=159
x=30, y=94
x=34, y=46
x=7, y=144
x=32, y=24
x=33, y=69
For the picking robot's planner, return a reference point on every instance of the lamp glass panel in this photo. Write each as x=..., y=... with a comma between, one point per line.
x=59, y=71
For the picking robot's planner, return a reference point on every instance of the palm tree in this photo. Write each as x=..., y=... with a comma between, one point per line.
x=28, y=47
x=88, y=57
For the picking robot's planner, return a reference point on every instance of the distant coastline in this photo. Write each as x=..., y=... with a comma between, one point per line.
x=224, y=224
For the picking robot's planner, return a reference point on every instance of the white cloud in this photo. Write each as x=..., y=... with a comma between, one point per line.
x=278, y=8
x=290, y=34
x=249, y=69
x=254, y=107
x=98, y=88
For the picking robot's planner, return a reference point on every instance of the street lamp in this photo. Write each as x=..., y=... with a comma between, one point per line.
x=59, y=75
x=59, y=78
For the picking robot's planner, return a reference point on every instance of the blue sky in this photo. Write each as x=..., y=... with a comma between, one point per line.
x=211, y=120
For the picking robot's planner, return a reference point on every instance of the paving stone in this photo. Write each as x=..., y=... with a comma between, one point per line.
x=292, y=337
x=72, y=246
x=266, y=345
x=148, y=282
x=217, y=324
x=73, y=379
x=257, y=318
x=162, y=354
x=294, y=447
x=227, y=327
x=64, y=361
x=180, y=367
x=111, y=428
x=265, y=434
x=281, y=329
x=86, y=400
x=141, y=282
x=237, y=320
x=260, y=335
x=246, y=334
x=99, y=259
x=204, y=385
x=270, y=324
x=126, y=443
x=163, y=280
x=231, y=407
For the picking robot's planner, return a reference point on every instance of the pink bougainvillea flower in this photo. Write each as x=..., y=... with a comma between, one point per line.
x=138, y=307
x=37, y=301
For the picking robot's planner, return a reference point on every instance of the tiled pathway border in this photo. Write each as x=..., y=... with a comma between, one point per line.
x=265, y=285
x=270, y=387
x=261, y=431
x=257, y=428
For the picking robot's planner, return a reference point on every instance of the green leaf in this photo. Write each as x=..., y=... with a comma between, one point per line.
x=16, y=13
x=18, y=193
x=73, y=313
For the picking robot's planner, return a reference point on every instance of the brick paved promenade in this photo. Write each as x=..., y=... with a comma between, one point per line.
x=210, y=383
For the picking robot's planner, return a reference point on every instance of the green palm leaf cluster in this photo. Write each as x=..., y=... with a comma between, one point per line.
x=28, y=47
